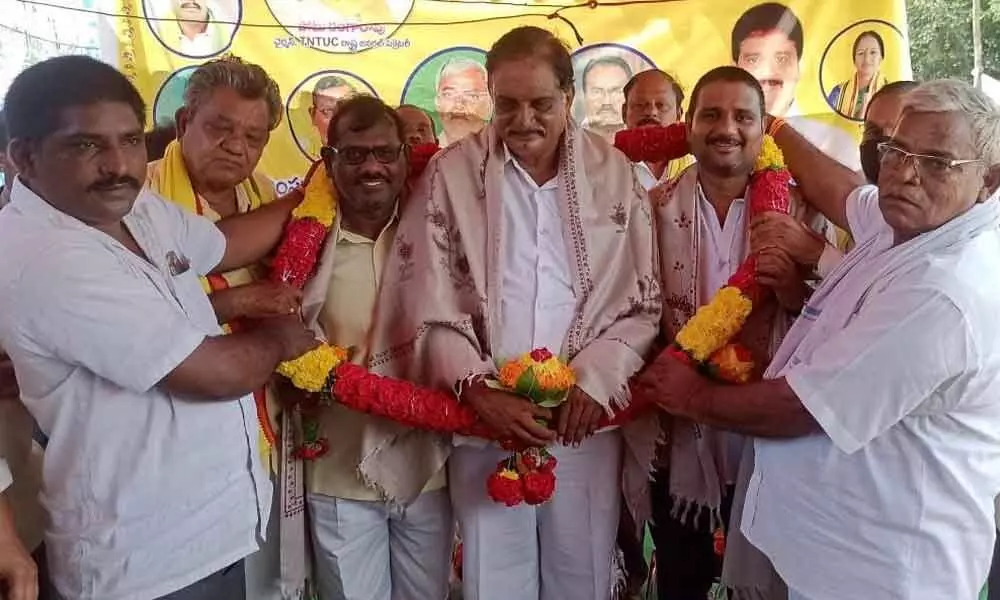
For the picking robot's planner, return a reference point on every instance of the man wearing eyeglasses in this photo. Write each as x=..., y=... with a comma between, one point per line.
x=878, y=422
x=463, y=102
x=365, y=547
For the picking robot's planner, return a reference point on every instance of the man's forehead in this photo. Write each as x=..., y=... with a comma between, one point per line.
x=467, y=77
x=607, y=74
x=415, y=115
x=382, y=131
x=100, y=119
x=774, y=40
x=333, y=94
x=946, y=133
x=727, y=94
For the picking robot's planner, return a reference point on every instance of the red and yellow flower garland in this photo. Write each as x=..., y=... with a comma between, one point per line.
x=705, y=340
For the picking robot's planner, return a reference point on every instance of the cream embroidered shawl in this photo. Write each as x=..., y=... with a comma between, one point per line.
x=438, y=314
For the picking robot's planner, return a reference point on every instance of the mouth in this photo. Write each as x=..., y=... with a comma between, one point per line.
x=725, y=146
x=190, y=6
x=525, y=135
x=772, y=84
x=649, y=122
x=374, y=184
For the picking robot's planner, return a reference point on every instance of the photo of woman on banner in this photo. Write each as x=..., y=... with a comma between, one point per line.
x=601, y=72
x=194, y=28
x=451, y=86
x=850, y=98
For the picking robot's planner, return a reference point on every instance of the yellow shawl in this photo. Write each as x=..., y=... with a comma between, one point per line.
x=853, y=99
x=169, y=178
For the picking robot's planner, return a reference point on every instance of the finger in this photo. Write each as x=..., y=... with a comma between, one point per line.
x=591, y=418
x=563, y=418
x=24, y=585
x=575, y=412
x=540, y=412
x=531, y=432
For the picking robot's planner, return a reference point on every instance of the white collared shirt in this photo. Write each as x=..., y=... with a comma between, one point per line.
x=146, y=491
x=895, y=498
x=537, y=299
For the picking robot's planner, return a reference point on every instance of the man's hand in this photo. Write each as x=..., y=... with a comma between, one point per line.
x=8, y=382
x=510, y=416
x=778, y=230
x=578, y=417
x=18, y=574
x=291, y=335
x=777, y=270
x=256, y=300
x=669, y=384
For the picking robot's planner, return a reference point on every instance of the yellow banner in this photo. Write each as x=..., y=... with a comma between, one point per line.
x=816, y=59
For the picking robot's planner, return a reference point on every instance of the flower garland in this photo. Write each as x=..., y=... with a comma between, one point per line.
x=704, y=341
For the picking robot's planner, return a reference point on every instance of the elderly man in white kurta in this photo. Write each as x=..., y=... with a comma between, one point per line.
x=878, y=455
x=530, y=234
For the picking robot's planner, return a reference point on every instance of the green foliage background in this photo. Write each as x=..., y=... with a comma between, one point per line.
x=941, y=38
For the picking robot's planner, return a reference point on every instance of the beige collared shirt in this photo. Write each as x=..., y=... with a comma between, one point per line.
x=346, y=319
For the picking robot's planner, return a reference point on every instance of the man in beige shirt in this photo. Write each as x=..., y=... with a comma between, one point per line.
x=365, y=548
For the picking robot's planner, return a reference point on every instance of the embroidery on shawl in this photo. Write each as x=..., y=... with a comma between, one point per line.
x=404, y=250
x=619, y=217
x=464, y=326
x=576, y=334
x=648, y=300
x=448, y=240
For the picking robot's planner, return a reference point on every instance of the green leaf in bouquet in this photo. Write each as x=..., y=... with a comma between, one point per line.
x=550, y=399
x=527, y=384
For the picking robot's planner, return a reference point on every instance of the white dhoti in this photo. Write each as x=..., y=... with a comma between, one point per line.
x=372, y=551
x=561, y=550
x=262, y=569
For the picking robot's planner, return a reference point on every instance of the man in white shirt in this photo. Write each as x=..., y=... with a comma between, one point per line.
x=18, y=575
x=530, y=234
x=152, y=483
x=702, y=226
x=878, y=425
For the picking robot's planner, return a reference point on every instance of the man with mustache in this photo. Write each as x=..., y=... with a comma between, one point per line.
x=876, y=424
x=768, y=41
x=653, y=98
x=462, y=102
x=230, y=108
x=327, y=94
x=702, y=226
x=603, y=84
x=153, y=484
x=192, y=28
x=364, y=548
x=530, y=234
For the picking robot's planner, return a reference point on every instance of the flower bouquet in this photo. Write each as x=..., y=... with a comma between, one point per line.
x=529, y=474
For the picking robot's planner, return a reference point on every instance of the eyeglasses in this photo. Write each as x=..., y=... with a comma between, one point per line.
x=923, y=164
x=356, y=155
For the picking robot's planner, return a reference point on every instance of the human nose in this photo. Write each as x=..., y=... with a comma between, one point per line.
x=114, y=161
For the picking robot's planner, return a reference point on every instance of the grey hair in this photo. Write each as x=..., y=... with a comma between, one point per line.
x=458, y=65
x=953, y=96
x=250, y=81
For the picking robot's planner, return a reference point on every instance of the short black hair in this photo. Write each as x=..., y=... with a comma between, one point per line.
x=607, y=61
x=529, y=41
x=158, y=139
x=40, y=94
x=870, y=34
x=729, y=74
x=364, y=112
x=415, y=107
x=674, y=85
x=896, y=87
x=4, y=138
x=770, y=16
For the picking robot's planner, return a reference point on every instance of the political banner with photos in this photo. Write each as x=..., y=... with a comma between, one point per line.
x=818, y=61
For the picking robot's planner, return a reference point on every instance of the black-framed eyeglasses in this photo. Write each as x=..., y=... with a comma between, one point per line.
x=356, y=155
x=924, y=164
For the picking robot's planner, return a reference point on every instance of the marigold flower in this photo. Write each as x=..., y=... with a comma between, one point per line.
x=732, y=363
x=319, y=200
x=505, y=486
x=770, y=156
x=311, y=371
x=714, y=324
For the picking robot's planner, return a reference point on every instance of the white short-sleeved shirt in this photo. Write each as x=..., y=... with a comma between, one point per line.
x=146, y=491
x=895, y=499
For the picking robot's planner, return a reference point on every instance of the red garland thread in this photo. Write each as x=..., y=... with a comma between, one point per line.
x=653, y=144
x=299, y=250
